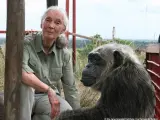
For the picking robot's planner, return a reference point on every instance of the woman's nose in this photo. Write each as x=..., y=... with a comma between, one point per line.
x=52, y=25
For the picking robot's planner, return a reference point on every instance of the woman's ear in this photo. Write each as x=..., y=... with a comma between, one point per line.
x=41, y=25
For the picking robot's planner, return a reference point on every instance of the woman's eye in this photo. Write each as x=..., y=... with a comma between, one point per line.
x=57, y=23
x=48, y=20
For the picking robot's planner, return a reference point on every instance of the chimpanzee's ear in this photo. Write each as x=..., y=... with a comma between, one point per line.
x=118, y=58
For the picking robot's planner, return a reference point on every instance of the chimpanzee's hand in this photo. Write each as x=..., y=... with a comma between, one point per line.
x=55, y=104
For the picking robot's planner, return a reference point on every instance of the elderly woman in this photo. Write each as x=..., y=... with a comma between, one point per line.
x=46, y=63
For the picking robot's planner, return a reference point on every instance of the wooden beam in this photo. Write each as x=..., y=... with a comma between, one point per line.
x=13, y=59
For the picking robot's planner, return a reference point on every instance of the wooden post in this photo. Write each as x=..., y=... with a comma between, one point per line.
x=13, y=59
x=52, y=2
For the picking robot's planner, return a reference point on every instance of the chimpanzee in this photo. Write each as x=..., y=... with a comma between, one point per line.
x=125, y=85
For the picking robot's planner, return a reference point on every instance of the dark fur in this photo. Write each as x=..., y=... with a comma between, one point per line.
x=125, y=86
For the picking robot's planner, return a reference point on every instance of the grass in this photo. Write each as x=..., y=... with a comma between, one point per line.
x=2, y=68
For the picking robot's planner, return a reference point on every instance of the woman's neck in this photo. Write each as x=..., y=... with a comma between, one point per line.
x=47, y=45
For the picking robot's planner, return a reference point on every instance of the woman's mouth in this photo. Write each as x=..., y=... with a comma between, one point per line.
x=50, y=32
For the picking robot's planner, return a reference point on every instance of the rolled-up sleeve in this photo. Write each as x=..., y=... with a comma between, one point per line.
x=25, y=66
x=68, y=82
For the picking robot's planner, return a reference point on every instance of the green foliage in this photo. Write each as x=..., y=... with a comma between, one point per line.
x=80, y=43
x=95, y=42
x=2, y=68
x=125, y=42
x=98, y=41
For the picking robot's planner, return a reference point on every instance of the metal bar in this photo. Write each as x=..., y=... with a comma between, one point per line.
x=159, y=44
x=153, y=63
x=156, y=86
x=157, y=107
x=150, y=71
x=158, y=99
x=69, y=33
x=81, y=36
x=27, y=31
x=13, y=58
x=147, y=58
x=52, y=2
x=67, y=11
x=74, y=37
x=2, y=31
x=159, y=49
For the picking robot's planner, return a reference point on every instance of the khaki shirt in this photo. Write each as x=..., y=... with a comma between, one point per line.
x=51, y=68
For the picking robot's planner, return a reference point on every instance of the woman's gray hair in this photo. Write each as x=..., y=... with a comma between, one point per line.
x=57, y=9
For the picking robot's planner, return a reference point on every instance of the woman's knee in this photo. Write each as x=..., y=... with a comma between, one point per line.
x=42, y=105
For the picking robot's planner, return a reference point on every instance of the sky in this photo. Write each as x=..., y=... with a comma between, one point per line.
x=132, y=19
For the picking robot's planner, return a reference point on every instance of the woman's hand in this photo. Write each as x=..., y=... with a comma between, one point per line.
x=55, y=104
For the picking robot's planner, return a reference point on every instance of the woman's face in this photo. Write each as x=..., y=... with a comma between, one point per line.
x=53, y=25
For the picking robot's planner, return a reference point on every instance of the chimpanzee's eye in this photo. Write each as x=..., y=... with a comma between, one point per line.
x=96, y=59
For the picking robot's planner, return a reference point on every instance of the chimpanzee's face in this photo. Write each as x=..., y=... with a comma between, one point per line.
x=102, y=60
x=99, y=61
x=93, y=69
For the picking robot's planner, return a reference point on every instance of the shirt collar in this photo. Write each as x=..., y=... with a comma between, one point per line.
x=39, y=46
